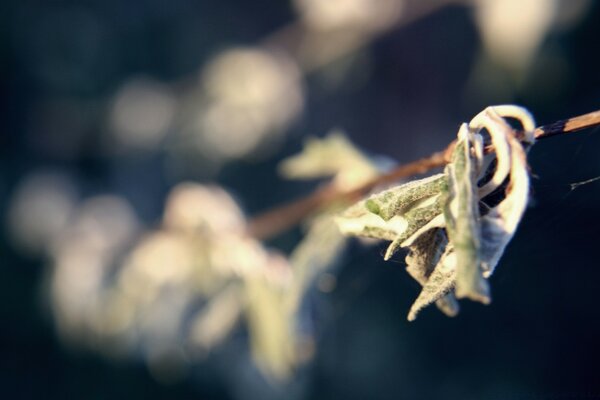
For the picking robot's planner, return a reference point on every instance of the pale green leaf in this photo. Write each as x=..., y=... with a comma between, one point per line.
x=396, y=214
x=418, y=220
x=421, y=260
x=439, y=284
x=451, y=203
x=399, y=200
x=462, y=219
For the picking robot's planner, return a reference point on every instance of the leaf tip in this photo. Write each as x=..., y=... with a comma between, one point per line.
x=480, y=294
x=391, y=250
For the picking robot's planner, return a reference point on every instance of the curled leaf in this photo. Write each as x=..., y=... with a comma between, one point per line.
x=418, y=220
x=397, y=214
x=496, y=126
x=399, y=200
x=476, y=223
x=440, y=283
x=499, y=225
x=462, y=219
x=424, y=254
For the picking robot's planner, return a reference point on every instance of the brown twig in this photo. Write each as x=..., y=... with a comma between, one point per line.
x=277, y=220
x=569, y=125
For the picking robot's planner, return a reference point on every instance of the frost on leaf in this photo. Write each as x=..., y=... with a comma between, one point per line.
x=499, y=225
x=462, y=218
x=439, y=285
x=456, y=224
x=423, y=257
x=399, y=214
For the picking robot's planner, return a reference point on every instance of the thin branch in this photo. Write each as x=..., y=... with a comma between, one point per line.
x=277, y=220
x=569, y=125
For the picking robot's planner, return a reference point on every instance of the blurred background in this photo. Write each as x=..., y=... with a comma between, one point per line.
x=121, y=122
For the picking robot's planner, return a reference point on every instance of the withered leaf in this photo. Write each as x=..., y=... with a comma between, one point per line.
x=499, y=225
x=476, y=222
x=399, y=214
x=439, y=284
x=462, y=219
x=424, y=254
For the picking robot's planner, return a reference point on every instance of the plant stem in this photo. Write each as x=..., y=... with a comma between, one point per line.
x=569, y=125
x=279, y=219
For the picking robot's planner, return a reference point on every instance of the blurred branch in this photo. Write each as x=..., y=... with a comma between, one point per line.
x=275, y=221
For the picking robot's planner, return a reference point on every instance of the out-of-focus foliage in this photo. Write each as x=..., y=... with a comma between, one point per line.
x=40, y=209
x=179, y=290
x=349, y=14
x=331, y=157
x=142, y=113
x=173, y=294
x=512, y=31
x=249, y=95
x=335, y=157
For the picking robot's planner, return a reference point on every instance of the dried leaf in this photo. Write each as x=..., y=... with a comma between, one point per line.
x=421, y=260
x=496, y=126
x=399, y=200
x=418, y=220
x=478, y=222
x=398, y=214
x=500, y=223
x=440, y=283
x=462, y=220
